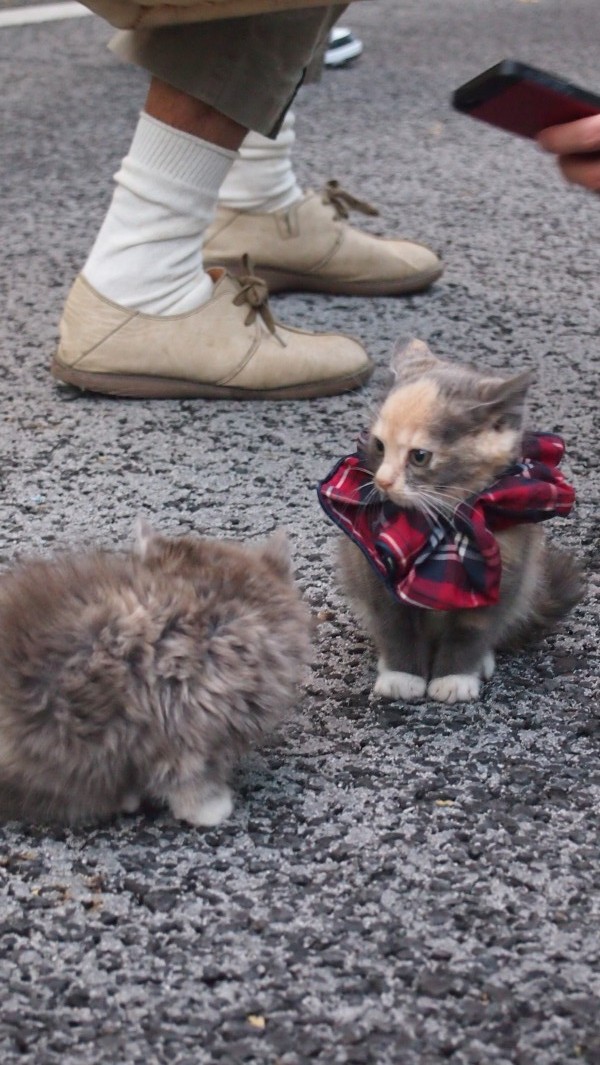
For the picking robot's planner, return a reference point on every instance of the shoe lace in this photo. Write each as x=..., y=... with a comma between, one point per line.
x=254, y=292
x=343, y=202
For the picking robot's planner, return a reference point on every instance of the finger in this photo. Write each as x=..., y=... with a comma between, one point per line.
x=570, y=137
x=582, y=170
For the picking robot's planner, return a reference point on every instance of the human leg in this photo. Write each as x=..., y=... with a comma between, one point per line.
x=262, y=178
x=302, y=240
x=133, y=345
x=148, y=253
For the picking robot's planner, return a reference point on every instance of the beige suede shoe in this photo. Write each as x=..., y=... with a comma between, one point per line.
x=230, y=348
x=310, y=247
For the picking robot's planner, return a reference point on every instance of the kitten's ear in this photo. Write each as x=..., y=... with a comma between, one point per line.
x=412, y=359
x=276, y=551
x=144, y=535
x=505, y=399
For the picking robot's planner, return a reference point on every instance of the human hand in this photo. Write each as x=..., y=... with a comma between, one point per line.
x=577, y=145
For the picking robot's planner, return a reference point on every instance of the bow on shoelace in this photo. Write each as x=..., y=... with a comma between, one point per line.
x=454, y=562
x=344, y=201
x=254, y=292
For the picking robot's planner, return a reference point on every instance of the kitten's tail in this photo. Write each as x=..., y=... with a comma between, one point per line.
x=564, y=585
x=561, y=587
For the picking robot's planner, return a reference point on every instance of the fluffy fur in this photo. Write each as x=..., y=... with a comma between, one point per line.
x=444, y=432
x=143, y=674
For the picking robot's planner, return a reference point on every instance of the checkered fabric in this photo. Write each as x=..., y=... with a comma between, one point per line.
x=454, y=562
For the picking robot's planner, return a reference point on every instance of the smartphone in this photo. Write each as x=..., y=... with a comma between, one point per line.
x=522, y=99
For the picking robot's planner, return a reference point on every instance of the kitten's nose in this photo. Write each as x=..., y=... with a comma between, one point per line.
x=384, y=480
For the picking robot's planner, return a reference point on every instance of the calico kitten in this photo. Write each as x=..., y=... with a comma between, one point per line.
x=444, y=433
x=143, y=674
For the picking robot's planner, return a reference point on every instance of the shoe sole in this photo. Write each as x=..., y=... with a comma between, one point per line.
x=137, y=386
x=284, y=281
x=340, y=54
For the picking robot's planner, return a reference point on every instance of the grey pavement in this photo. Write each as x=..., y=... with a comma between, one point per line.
x=399, y=885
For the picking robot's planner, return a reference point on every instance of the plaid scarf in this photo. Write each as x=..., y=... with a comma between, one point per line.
x=446, y=563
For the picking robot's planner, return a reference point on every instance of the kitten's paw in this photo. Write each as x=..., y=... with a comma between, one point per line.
x=454, y=688
x=131, y=803
x=191, y=806
x=391, y=684
x=488, y=665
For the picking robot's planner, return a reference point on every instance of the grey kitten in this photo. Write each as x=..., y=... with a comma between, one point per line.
x=443, y=434
x=143, y=674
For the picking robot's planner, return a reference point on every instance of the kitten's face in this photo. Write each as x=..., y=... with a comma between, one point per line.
x=444, y=435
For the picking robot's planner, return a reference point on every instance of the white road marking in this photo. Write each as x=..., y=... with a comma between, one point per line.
x=23, y=16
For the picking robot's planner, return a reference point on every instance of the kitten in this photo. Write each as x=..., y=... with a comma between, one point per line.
x=143, y=674
x=443, y=435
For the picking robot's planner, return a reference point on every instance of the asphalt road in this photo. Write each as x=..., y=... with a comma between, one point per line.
x=399, y=885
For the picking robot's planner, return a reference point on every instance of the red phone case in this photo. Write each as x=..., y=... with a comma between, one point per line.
x=523, y=100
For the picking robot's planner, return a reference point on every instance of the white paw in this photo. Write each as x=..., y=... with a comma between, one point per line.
x=488, y=665
x=131, y=803
x=394, y=685
x=455, y=688
x=204, y=813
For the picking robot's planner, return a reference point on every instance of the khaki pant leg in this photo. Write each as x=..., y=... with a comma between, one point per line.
x=248, y=68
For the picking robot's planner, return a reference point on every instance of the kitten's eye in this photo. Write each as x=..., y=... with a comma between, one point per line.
x=419, y=457
x=378, y=445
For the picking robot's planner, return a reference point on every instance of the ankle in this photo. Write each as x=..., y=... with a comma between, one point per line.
x=183, y=112
x=262, y=179
x=148, y=253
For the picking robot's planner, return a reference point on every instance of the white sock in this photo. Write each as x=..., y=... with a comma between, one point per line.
x=262, y=177
x=148, y=253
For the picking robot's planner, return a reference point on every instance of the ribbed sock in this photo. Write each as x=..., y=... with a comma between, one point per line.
x=148, y=253
x=262, y=178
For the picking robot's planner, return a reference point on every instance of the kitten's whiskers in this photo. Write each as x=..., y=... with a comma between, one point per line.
x=452, y=500
x=433, y=505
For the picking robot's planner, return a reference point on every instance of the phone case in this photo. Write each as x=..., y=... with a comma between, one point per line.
x=523, y=100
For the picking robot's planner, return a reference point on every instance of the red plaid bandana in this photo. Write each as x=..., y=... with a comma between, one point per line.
x=454, y=562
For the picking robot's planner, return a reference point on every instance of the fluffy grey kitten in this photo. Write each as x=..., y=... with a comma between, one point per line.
x=443, y=433
x=143, y=674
